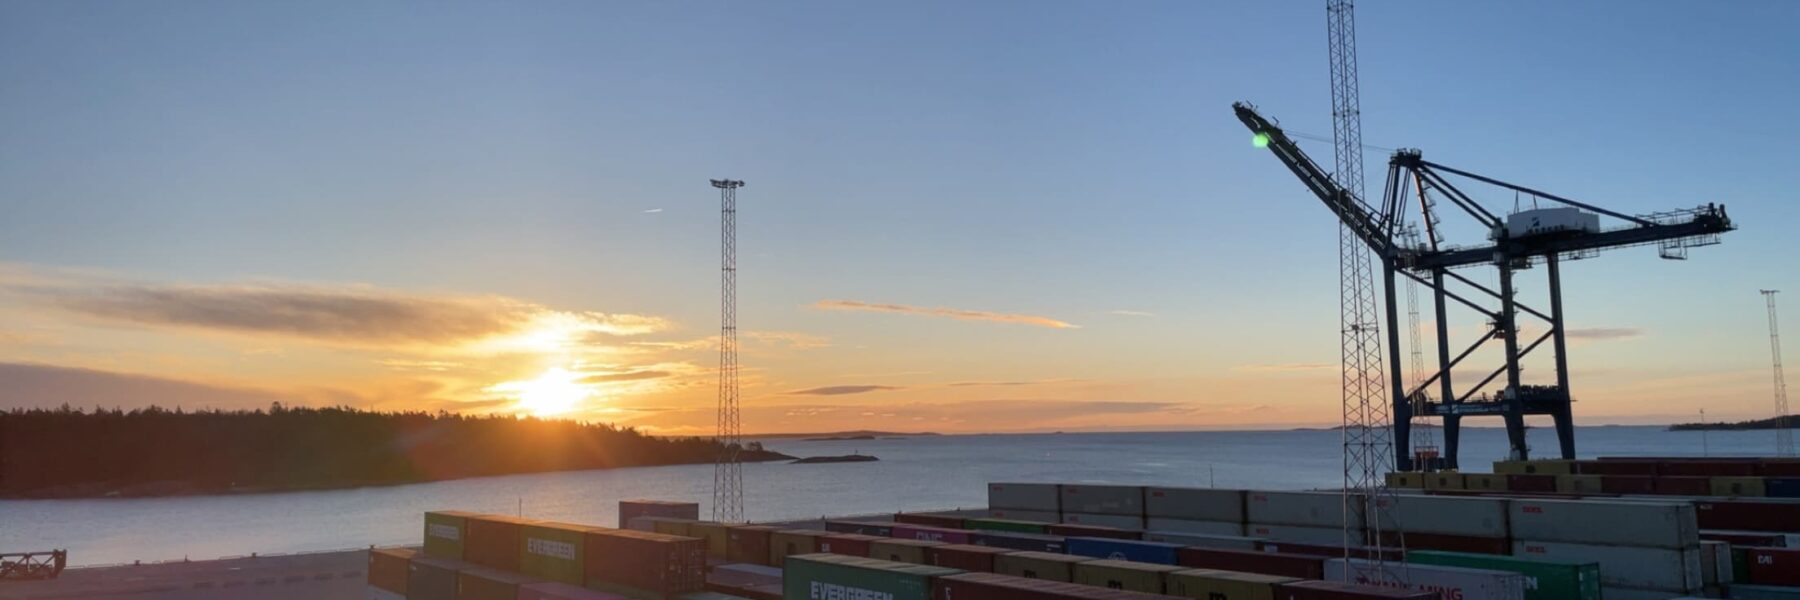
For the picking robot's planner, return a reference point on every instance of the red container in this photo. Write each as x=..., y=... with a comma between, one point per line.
x=494, y=541
x=653, y=562
x=988, y=586
x=1367, y=552
x=1779, y=467
x=1334, y=590
x=1618, y=466
x=1251, y=561
x=748, y=543
x=932, y=520
x=1448, y=543
x=1746, y=539
x=1073, y=530
x=1774, y=566
x=1749, y=516
x=1628, y=484
x=1708, y=468
x=964, y=556
x=388, y=568
x=744, y=583
x=853, y=544
x=1531, y=483
x=632, y=509
x=931, y=534
x=752, y=591
x=1684, y=486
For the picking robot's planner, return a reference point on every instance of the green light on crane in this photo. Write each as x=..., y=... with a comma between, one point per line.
x=1260, y=140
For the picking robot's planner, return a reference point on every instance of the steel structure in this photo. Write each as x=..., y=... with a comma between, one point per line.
x=33, y=565
x=728, y=472
x=1784, y=438
x=1434, y=265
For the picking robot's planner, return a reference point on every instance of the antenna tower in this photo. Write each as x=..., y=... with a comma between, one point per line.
x=1784, y=439
x=728, y=472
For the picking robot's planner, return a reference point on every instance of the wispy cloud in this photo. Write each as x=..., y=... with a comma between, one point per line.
x=842, y=390
x=954, y=313
x=625, y=376
x=436, y=366
x=1605, y=333
x=1285, y=368
x=1131, y=313
x=1007, y=383
x=653, y=210
x=30, y=385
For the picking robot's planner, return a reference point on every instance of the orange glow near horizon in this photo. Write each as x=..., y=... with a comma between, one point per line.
x=556, y=391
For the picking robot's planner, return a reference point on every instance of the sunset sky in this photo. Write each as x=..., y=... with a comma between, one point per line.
x=959, y=217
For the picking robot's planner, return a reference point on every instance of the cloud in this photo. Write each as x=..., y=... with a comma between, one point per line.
x=357, y=315
x=436, y=366
x=954, y=313
x=1131, y=313
x=1604, y=333
x=39, y=385
x=1286, y=368
x=652, y=210
x=840, y=390
x=770, y=339
x=1006, y=383
x=625, y=376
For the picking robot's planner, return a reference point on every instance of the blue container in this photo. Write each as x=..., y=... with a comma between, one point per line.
x=1014, y=540
x=1786, y=487
x=1132, y=550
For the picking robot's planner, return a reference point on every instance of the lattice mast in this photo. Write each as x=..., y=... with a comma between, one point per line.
x=728, y=472
x=1784, y=438
x=1368, y=444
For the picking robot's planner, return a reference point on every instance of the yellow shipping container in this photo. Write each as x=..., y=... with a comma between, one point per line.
x=1039, y=565
x=717, y=537
x=1124, y=575
x=1405, y=480
x=1738, y=486
x=672, y=526
x=1444, y=480
x=1211, y=584
x=1578, y=484
x=901, y=550
x=1484, y=482
x=1534, y=467
x=792, y=541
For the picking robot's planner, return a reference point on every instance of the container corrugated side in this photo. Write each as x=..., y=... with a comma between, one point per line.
x=1247, y=561
x=430, y=578
x=631, y=509
x=1769, y=514
x=1229, y=542
x=1194, y=504
x=989, y=586
x=388, y=568
x=445, y=531
x=1038, y=497
x=1113, y=521
x=1124, y=575
x=1307, y=535
x=931, y=534
x=1655, y=524
x=1453, y=515
x=1187, y=526
x=874, y=528
x=1012, y=540
x=1337, y=590
x=1676, y=570
x=652, y=562
x=789, y=542
x=1544, y=580
x=1214, y=584
x=1074, y=529
x=1005, y=525
x=1020, y=514
x=717, y=536
x=1774, y=566
x=1038, y=565
x=901, y=550
x=748, y=543
x=839, y=576
x=493, y=541
x=1484, y=482
x=853, y=544
x=553, y=590
x=934, y=520
x=1454, y=583
x=1763, y=592
x=1162, y=553
x=1123, y=500
x=1306, y=509
x=966, y=557
x=481, y=583
x=554, y=551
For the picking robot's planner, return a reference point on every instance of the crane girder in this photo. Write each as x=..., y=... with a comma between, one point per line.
x=1348, y=208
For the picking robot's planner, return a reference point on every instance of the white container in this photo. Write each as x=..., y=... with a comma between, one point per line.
x=1452, y=583
x=1042, y=497
x=1126, y=500
x=1449, y=515
x=1186, y=526
x=1660, y=525
x=1309, y=509
x=1113, y=521
x=1024, y=515
x=1625, y=566
x=1542, y=221
x=1719, y=554
x=1194, y=504
x=1222, y=542
x=1328, y=536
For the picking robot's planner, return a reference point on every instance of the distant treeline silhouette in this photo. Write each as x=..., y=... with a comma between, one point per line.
x=67, y=452
x=1787, y=422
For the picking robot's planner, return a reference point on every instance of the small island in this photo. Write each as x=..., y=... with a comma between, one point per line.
x=1787, y=422
x=841, y=438
x=811, y=460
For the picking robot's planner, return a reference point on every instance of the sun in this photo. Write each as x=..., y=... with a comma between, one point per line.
x=554, y=392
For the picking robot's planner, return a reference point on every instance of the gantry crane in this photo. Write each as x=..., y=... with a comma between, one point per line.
x=1517, y=242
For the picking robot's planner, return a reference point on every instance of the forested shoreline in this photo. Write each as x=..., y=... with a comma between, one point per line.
x=75, y=453
x=1787, y=422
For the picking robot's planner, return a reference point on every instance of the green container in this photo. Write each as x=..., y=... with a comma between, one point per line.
x=445, y=531
x=1005, y=525
x=1740, y=563
x=1544, y=580
x=809, y=576
x=553, y=551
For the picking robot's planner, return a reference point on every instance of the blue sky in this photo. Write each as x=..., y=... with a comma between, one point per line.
x=1060, y=159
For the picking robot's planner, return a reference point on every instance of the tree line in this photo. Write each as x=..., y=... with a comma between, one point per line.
x=68, y=452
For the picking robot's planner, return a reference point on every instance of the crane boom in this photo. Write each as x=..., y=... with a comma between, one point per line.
x=1348, y=208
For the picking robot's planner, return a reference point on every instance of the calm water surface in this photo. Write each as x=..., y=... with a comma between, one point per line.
x=913, y=474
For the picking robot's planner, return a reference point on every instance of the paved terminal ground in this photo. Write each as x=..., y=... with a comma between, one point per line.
x=317, y=576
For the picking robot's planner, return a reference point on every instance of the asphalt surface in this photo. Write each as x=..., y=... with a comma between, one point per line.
x=318, y=576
